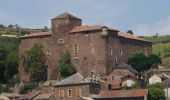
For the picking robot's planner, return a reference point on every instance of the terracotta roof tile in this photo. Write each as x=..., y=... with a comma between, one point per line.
x=85, y=28
x=123, y=93
x=36, y=34
x=130, y=36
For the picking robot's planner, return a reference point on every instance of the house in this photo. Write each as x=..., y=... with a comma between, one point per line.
x=166, y=85
x=136, y=94
x=155, y=79
x=124, y=75
x=76, y=87
x=94, y=49
x=10, y=96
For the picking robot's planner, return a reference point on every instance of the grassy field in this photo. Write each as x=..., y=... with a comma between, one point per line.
x=161, y=46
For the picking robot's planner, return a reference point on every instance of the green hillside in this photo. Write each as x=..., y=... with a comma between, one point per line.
x=161, y=46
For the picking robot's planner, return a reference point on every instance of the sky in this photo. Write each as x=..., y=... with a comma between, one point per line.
x=143, y=17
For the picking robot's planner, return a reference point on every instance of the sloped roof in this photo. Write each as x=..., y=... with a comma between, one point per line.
x=43, y=96
x=123, y=93
x=88, y=28
x=127, y=66
x=29, y=96
x=74, y=79
x=36, y=34
x=66, y=16
x=130, y=36
x=85, y=28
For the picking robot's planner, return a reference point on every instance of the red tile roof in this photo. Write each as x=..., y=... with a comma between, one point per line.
x=123, y=93
x=85, y=28
x=130, y=36
x=36, y=34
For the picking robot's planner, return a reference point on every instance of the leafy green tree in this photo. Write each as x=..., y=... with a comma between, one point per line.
x=3, y=55
x=4, y=89
x=138, y=61
x=34, y=61
x=10, y=26
x=45, y=29
x=24, y=32
x=11, y=65
x=2, y=26
x=130, y=32
x=66, y=68
x=156, y=92
x=153, y=61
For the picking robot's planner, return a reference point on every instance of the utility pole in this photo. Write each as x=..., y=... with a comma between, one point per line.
x=157, y=39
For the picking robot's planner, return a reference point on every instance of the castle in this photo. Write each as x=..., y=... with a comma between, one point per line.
x=94, y=50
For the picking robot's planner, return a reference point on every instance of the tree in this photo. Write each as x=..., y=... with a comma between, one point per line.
x=156, y=92
x=24, y=32
x=10, y=26
x=3, y=55
x=130, y=32
x=153, y=61
x=138, y=61
x=2, y=26
x=66, y=68
x=45, y=29
x=11, y=65
x=34, y=61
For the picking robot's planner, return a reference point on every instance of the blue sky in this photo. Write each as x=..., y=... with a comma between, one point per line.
x=144, y=17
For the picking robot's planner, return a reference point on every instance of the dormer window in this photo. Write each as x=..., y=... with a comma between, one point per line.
x=104, y=31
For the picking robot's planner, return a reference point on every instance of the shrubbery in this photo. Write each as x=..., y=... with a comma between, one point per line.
x=156, y=92
x=28, y=87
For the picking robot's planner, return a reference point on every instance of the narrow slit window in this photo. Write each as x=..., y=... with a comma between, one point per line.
x=110, y=51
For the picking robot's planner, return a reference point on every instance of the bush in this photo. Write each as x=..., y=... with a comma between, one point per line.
x=4, y=89
x=156, y=92
x=28, y=87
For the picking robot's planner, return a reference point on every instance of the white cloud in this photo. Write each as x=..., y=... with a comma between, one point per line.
x=161, y=27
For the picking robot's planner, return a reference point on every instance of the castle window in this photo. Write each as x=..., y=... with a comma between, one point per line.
x=48, y=53
x=113, y=78
x=115, y=60
x=60, y=41
x=69, y=92
x=76, y=49
x=121, y=52
x=110, y=51
x=92, y=74
x=61, y=93
x=78, y=92
x=76, y=61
